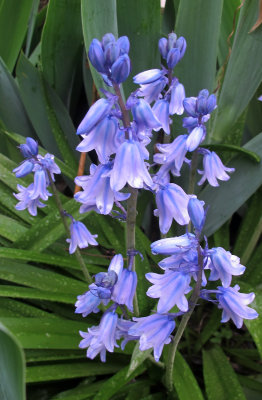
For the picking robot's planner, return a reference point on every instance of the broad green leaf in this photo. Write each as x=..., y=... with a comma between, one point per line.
x=253, y=273
x=250, y=229
x=31, y=26
x=13, y=105
x=36, y=294
x=12, y=367
x=46, y=121
x=254, y=326
x=229, y=196
x=237, y=92
x=68, y=261
x=10, y=228
x=21, y=309
x=226, y=27
x=14, y=18
x=98, y=18
x=168, y=18
x=222, y=236
x=61, y=46
x=83, y=391
x=33, y=355
x=220, y=379
x=43, y=373
x=141, y=23
x=199, y=22
x=138, y=357
x=39, y=278
x=117, y=381
x=184, y=380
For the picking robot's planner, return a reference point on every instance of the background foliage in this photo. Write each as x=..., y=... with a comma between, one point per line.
x=46, y=86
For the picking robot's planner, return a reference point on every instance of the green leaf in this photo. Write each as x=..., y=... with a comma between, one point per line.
x=116, y=382
x=227, y=199
x=62, y=47
x=83, y=391
x=211, y=326
x=45, y=333
x=184, y=381
x=44, y=373
x=36, y=294
x=142, y=26
x=39, y=278
x=237, y=92
x=98, y=18
x=138, y=357
x=14, y=18
x=220, y=379
x=12, y=367
x=229, y=9
x=13, y=104
x=31, y=26
x=197, y=69
x=10, y=228
x=234, y=149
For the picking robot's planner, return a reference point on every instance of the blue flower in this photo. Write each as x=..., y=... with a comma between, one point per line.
x=150, y=76
x=177, y=97
x=80, y=237
x=172, y=204
x=96, y=112
x=129, y=167
x=179, y=244
x=196, y=213
x=171, y=288
x=30, y=148
x=120, y=69
x=234, y=305
x=173, y=153
x=39, y=189
x=100, y=338
x=154, y=331
x=96, y=56
x=223, y=265
x=25, y=168
x=144, y=116
x=161, y=111
x=213, y=169
x=196, y=136
x=124, y=289
x=87, y=303
x=151, y=91
x=25, y=200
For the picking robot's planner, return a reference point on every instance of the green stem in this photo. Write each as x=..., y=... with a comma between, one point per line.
x=132, y=201
x=64, y=220
x=193, y=170
x=192, y=301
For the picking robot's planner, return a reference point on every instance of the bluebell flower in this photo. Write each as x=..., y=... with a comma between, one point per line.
x=213, y=169
x=172, y=49
x=25, y=200
x=154, y=331
x=124, y=289
x=124, y=44
x=97, y=190
x=111, y=52
x=199, y=106
x=87, y=303
x=100, y=338
x=96, y=112
x=172, y=204
x=170, y=288
x=96, y=56
x=25, y=168
x=161, y=111
x=144, y=116
x=80, y=237
x=123, y=327
x=39, y=189
x=177, y=97
x=120, y=69
x=30, y=148
x=105, y=138
x=152, y=91
x=108, y=38
x=48, y=164
x=196, y=213
x=223, y=265
x=173, y=153
x=149, y=76
x=179, y=244
x=234, y=305
x=196, y=136
x=116, y=265
x=129, y=167
x=173, y=57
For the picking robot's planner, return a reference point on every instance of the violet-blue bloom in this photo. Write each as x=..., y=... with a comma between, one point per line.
x=144, y=116
x=161, y=111
x=96, y=56
x=96, y=112
x=173, y=153
x=234, y=305
x=213, y=169
x=173, y=57
x=170, y=288
x=176, y=101
x=105, y=138
x=178, y=244
x=87, y=303
x=25, y=200
x=39, y=189
x=196, y=213
x=124, y=289
x=30, y=148
x=154, y=331
x=152, y=91
x=80, y=237
x=172, y=204
x=149, y=76
x=223, y=265
x=120, y=69
x=196, y=136
x=25, y=168
x=129, y=167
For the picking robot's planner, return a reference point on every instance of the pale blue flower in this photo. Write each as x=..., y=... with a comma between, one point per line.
x=144, y=116
x=196, y=213
x=149, y=76
x=96, y=112
x=213, y=169
x=124, y=289
x=25, y=200
x=80, y=237
x=172, y=153
x=223, y=265
x=177, y=97
x=154, y=331
x=179, y=244
x=161, y=111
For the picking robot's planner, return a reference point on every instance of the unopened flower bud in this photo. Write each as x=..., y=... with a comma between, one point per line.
x=196, y=213
x=120, y=69
x=96, y=56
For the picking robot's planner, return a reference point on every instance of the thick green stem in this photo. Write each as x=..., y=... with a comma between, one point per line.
x=132, y=201
x=64, y=220
x=192, y=301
